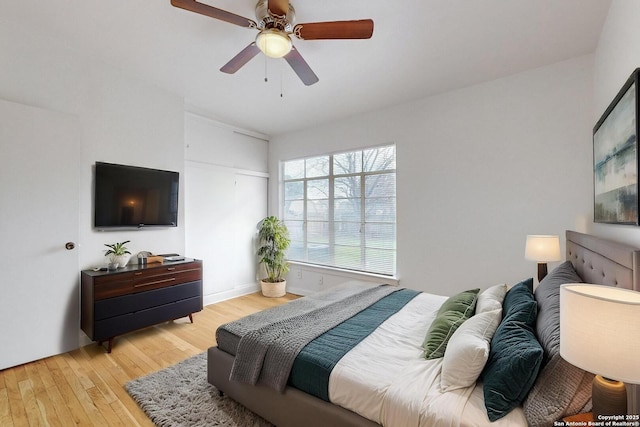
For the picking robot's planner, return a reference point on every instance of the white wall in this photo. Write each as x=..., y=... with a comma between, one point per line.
x=478, y=170
x=131, y=122
x=617, y=55
x=122, y=119
x=226, y=181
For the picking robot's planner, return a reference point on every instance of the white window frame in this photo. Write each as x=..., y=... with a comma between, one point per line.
x=331, y=211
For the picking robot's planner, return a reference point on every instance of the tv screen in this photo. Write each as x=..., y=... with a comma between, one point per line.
x=131, y=196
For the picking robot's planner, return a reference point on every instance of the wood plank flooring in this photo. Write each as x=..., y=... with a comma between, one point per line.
x=85, y=387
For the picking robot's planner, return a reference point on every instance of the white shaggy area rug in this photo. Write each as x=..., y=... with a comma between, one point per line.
x=180, y=396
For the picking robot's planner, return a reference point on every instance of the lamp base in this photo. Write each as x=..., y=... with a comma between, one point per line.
x=609, y=397
x=542, y=271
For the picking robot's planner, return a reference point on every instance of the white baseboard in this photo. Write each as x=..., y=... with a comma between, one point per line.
x=237, y=291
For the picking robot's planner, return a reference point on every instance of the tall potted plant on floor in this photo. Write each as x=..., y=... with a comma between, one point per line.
x=273, y=241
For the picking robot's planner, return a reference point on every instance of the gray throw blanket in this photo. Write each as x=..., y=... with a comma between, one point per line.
x=266, y=354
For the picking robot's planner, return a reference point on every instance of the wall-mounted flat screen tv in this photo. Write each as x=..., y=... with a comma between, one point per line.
x=131, y=196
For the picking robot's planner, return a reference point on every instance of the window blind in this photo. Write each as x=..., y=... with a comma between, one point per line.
x=341, y=209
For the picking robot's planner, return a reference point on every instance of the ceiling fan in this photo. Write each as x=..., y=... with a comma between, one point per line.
x=275, y=22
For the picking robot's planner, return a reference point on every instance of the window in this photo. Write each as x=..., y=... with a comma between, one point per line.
x=341, y=209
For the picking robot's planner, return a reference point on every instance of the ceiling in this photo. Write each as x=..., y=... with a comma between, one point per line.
x=419, y=48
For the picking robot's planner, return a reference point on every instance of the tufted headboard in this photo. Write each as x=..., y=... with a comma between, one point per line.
x=604, y=262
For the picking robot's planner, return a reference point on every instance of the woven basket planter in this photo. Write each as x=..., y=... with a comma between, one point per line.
x=273, y=290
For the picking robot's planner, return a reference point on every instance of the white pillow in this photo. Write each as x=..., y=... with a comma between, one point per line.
x=491, y=298
x=468, y=350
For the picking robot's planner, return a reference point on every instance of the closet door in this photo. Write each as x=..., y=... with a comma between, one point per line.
x=39, y=193
x=222, y=207
x=250, y=208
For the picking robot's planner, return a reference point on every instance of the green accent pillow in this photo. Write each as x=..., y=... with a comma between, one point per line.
x=518, y=297
x=515, y=356
x=451, y=315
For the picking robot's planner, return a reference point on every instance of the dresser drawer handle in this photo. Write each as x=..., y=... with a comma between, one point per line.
x=154, y=283
x=171, y=268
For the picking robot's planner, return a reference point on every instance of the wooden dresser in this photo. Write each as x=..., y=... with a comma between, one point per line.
x=116, y=302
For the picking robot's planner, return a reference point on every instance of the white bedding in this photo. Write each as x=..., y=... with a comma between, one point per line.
x=398, y=387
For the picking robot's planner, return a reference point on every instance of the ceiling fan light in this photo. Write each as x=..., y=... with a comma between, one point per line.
x=273, y=43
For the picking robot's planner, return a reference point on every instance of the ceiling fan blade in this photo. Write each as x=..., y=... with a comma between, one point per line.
x=213, y=12
x=240, y=59
x=278, y=7
x=362, y=29
x=300, y=66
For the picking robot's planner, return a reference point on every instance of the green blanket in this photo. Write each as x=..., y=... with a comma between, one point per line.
x=312, y=368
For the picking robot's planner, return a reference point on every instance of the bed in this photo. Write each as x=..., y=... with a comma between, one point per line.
x=362, y=386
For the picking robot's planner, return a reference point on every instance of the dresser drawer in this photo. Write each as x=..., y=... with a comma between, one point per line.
x=162, y=277
x=112, y=326
x=124, y=323
x=116, y=306
x=144, y=280
x=109, y=290
x=112, y=285
x=167, y=312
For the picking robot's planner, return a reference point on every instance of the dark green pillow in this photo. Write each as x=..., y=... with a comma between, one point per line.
x=517, y=296
x=451, y=315
x=515, y=356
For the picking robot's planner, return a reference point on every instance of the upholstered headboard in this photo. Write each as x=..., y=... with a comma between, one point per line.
x=604, y=262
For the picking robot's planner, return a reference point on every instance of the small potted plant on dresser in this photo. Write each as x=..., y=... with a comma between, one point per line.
x=273, y=241
x=118, y=254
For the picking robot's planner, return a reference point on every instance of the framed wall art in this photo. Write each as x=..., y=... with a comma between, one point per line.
x=615, y=158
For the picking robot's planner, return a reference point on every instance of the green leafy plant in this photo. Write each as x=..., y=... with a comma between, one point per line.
x=117, y=249
x=273, y=237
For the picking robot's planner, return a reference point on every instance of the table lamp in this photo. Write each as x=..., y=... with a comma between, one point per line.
x=542, y=249
x=599, y=331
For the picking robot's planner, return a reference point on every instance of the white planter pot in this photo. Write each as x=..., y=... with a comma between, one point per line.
x=273, y=290
x=121, y=260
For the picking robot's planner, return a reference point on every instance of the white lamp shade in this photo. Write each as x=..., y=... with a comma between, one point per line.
x=542, y=248
x=600, y=330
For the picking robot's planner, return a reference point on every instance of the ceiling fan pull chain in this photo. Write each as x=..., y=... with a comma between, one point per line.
x=281, y=81
x=265, y=69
